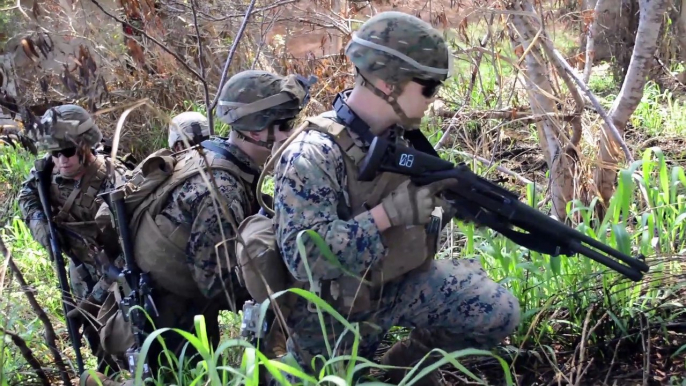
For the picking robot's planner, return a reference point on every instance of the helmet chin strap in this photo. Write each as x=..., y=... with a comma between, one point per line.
x=268, y=144
x=406, y=123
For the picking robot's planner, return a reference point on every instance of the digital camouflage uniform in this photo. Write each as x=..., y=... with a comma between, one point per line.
x=450, y=304
x=75, y=203
x=191, y=210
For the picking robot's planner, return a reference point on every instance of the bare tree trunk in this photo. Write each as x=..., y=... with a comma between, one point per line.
x=615, y=26
x=590, y=39
x=681, y=36
x=550, y=133
x=651, y=15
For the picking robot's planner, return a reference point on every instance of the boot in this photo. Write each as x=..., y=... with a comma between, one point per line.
x=407, y=353
x=274, y=343
x=100, y=379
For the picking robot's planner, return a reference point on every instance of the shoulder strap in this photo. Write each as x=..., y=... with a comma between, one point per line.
x=189, y=165
x=339, y=134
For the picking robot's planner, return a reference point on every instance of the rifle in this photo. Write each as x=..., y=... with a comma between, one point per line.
x=485, y=203
x=135, y=284
x=55, y=253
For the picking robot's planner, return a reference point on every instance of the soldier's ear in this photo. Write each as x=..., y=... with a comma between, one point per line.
x=384, y=87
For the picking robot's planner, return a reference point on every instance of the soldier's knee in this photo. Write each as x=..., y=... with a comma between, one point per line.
x=507, y=313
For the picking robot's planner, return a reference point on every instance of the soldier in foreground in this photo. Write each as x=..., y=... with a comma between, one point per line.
x=192, y=125
x=384, y=230
x=185, y=240
x=77, y=176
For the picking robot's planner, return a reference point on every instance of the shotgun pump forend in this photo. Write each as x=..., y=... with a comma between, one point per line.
x=482, y=202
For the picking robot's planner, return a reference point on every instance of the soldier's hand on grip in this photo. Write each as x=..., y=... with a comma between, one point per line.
x=41, y=232
x=412, y=205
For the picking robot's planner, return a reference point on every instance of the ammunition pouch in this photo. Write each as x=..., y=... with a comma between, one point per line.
x=116, y=335
x=259, y=260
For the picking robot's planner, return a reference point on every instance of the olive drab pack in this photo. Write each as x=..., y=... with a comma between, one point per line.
x=159, y=244
x=409, y=248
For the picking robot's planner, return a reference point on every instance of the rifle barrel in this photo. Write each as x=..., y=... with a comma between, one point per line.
x=56, y=256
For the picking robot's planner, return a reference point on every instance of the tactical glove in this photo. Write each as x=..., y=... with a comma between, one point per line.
x=409, y=204
x=41, y=232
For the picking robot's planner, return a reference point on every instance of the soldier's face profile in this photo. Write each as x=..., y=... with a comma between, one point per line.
x=413, y=101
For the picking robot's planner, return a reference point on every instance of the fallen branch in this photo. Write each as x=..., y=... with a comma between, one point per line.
x=28, y=356
x=502, y=169
x=50, y=337
x=527, y=116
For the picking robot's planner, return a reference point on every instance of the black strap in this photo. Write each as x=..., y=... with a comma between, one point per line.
x=361, y=128
x=213, y=147
x=350, y=119
x=197, y=133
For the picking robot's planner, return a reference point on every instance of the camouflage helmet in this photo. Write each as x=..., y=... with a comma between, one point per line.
x=396, y=48
x=191, y=124
x=66, y=126
x=254, y=100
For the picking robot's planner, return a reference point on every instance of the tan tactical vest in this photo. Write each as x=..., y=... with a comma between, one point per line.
x=159, y=244
x=77, y=208
x=408, y=248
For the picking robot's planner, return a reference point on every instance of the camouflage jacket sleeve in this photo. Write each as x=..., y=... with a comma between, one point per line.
x=309, y=187
x=29, y=200
x=207, y=249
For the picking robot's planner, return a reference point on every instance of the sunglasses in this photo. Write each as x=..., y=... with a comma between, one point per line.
x=429, y=87
x=70, y=152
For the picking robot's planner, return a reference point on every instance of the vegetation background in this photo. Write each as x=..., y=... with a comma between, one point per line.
x=517, y=111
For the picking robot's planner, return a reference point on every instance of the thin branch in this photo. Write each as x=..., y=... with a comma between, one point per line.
x=28, y=356
x=598, y=107
x=237, y=15
x=201, y=57
x=578, y=99
x=501, y=169
x=50, y=339
x=234, y=46
x=152, y=39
